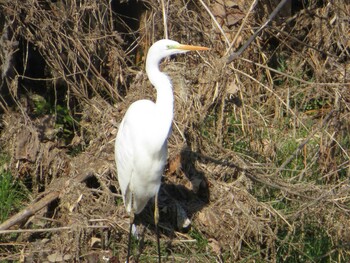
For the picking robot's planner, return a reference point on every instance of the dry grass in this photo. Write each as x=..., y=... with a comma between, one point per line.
x=259, y=155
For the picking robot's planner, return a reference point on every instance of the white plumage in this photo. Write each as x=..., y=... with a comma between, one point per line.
x=141, y=143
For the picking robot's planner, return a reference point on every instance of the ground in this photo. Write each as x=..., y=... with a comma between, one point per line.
x=259, y=153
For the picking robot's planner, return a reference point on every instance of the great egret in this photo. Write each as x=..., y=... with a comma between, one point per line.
x=141, y=143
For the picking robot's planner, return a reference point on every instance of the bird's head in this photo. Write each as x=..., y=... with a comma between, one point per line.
x=162, y=49
x=166, y=47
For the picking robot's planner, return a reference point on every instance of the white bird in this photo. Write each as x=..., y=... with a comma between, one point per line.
x=141, y=143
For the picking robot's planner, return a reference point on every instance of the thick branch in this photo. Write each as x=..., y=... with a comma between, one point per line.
x=32, y=208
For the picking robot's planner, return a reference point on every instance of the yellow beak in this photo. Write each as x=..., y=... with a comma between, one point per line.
x=189, y=47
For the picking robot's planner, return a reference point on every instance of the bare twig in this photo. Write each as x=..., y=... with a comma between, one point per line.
x=242, y=25
x=52, y=229
x=165, y=24
x=235, y=55
x=38, y=205
x=303, y=143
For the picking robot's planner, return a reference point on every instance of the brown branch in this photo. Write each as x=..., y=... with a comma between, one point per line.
x=303, y=143
x=52, y=229
x=32, y=208
x=235, y=55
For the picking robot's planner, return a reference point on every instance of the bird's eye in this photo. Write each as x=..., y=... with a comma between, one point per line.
x=170, y=47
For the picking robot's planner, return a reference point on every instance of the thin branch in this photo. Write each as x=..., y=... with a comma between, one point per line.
x=165, y=24
x=53, y=229
x=303, y=143
x=296, y=78
x=242, y=25
x=235, y=55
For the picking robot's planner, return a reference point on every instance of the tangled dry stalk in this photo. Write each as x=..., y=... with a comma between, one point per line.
x=259, y=155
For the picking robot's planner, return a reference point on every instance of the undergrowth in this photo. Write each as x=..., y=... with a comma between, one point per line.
x=272, y=150
x=12, y=193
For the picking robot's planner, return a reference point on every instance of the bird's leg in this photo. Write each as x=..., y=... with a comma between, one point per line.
x=132, y=216
x=156, y=220
x=132, y=219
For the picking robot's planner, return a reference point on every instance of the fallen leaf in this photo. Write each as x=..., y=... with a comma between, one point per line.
x=215, y=246
x=174, y=164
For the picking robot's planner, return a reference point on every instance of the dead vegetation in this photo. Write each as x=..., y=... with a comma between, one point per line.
x=259, y=155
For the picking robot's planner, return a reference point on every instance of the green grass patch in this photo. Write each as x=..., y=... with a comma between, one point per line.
x=65, y=122
x=11, y=192
x=207, y=126
x=309, y=243
x=202, y=242
x=8, y=196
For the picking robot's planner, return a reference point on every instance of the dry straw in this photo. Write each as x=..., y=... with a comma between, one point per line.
x=259, y=150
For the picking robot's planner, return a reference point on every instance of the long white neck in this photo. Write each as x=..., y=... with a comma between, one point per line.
x=165, y=97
